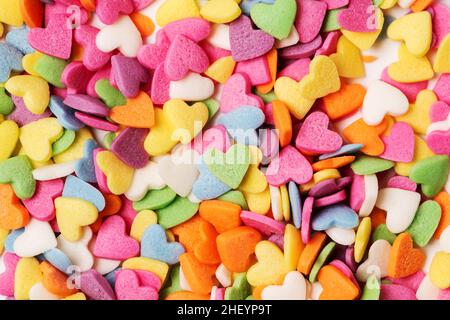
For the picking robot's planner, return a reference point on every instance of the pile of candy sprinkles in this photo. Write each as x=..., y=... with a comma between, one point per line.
x=224, y=150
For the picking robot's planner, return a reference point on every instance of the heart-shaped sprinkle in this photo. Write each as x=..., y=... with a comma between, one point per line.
x=431, y=173
x=293, y=288
x=17, y=171
x=128, y=286
x=129, y=147
x=357, y=17
x=276, y=19
x=290, y=165
x=119, y=175
x=13, y=214
x=37, y=238
x=335, y=216
x=395, y=103
x=136, y=113
x=34, y=91
x=37, y=138
x=109, y=10
x=336, y=286
x=230, y=167
x=154, y=245
x=11, y=60
x=184, y=55
x=399, y=145
x=41, y=205
x=268, y=254
x=112, y=241
x=179, y=171
x=56, y=31
x=247, y=43
x=128, y=74
x=415, y=29
x=237, y=93
x=404, y=260
x=314, y=132
x=72, y=214
x=93, y=58
x=399, y=217
x=122, y=35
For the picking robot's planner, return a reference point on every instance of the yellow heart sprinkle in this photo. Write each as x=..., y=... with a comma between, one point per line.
x=76, y=296
x=10, y=12
x=37, y=138
x=442, y=62
x=9, y=135
x=1, y=30
x=439, y=268
x=220, y=11
x=323, y=78
x=365, y=40
x=288, y=91
x=159, y=141
x=258, y=202
x=26, y=276
x=421, y=151
x=293, y=247
x=157, y=267
x=418, y=116
x=387, y=4
x=76, y=150
x=221, y=69
x=348, y=59
x=285, y=204
x=410, y=68
x=141, y=222
x=415, y=29
x=29, y=62
x=362, y=238
x=174, y=10
x=319, y=177
x=72, y=214
x=34, y=91
x=3, y=235
x=254, y=180
x=119, y=176
x=270, y=268
x=187, y=121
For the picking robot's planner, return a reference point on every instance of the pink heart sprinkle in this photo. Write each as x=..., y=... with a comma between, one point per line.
x=10, y=261
x=41, y=204
x=128, y=287
x=358, y=17
x=237, y=93
x=184, y=55
x=55, y=40
x=152, y=55
x=290, y=165
x=196, y=29
x=93, y=58
x=399, y=145
x=256, y=69
x=109, y=10
x=113, y=242
x=314, y=136
x=76, y=77
x=310, y=16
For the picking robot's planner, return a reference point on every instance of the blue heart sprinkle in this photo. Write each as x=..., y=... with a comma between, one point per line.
x=58, y=259
x=242, y=122
x=77, y=188
x=207, y=185
x=296, y=204
x=18, y=38
x=347, y=149
x=10, y=59
x=85, y=168
x=11, y=238
x=154, y=245
x=64, y=114
x=335, y=216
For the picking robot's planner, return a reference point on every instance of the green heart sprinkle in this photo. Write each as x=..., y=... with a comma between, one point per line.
x=110, y=95
x=425, y=222
x=63, y=143
x=51, y=69
x=17, y=171
x=6, y=103
x=155, y=199
x=431, y=173
x=365, y=165
x=179, y=211
x=240, y=289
